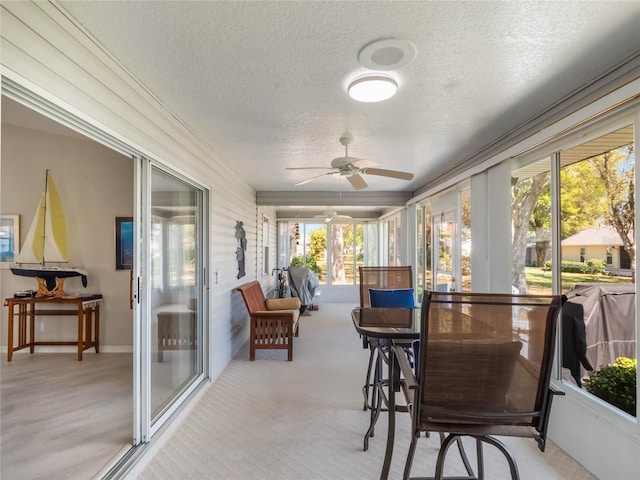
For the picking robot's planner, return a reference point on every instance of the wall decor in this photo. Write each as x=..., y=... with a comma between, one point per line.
x=9, y=239
x=242, y=246
x=124, y=243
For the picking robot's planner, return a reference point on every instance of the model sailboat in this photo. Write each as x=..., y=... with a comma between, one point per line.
x=45, y=246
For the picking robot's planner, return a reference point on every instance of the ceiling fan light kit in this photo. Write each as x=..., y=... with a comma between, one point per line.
x=372, y=88
x=329, y=217
x=382, y=55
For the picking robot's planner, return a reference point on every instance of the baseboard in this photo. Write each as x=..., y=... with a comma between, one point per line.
x=71, y=349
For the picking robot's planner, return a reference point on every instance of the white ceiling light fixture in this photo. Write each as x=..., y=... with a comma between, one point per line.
x=372, y=88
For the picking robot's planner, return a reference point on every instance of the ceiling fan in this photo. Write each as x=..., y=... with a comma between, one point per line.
x=353, y=168
x=331, y=216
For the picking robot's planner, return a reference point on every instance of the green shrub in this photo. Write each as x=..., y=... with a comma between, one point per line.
x=596, y=263
x=616, y=384
x=589, y=267
x=310, y=263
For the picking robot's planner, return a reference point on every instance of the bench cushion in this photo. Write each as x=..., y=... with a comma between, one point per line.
x=292, y=303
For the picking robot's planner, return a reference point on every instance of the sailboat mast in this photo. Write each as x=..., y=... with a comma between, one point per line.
x=44, y=217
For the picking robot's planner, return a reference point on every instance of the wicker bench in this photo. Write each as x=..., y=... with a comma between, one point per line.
x=274, y=321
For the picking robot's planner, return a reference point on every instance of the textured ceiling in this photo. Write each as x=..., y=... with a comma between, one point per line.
x=264, y=83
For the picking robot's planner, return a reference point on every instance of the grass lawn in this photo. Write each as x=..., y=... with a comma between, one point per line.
x=540, y=282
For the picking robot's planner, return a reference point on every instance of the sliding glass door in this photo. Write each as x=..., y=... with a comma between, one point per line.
x=172, y=288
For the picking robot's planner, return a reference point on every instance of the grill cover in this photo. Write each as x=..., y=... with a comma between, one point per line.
x=304, y=284
x=598, y=326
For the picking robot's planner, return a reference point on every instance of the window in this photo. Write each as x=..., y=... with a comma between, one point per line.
x=445, y=237
x=597, y=181
x=266, y=269
x=347, y=252
x=465, y=239
x=420, y=273
x=157, y=247
x=531, y=226
x=173, y=259
x=310, y=249
x=181, y=251
x=394, y=240
x=371, y=244
x=334, y=250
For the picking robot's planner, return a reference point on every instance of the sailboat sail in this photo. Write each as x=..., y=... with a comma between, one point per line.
x=46, y=242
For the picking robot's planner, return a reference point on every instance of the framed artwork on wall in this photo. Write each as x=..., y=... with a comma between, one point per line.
x=124, y=243
x=9, y=239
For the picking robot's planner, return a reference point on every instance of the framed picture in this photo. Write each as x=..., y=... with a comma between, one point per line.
x=9, y=239
x=124, y=243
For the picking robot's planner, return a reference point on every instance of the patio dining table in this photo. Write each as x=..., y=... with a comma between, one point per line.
x=388, y=326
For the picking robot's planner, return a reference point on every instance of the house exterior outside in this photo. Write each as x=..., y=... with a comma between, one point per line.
x=601, y=242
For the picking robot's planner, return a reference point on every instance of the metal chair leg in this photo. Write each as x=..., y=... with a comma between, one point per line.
x=412, y=451
x=465, y=459
x=366, y=389
x=513, y=467
x=448, y=441
x=376, y=400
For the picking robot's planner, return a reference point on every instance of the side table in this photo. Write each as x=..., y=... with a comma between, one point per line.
x=85, y=307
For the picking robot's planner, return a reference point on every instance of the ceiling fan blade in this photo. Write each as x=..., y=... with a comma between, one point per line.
x=356, y=181
x=363, y=163
x=388, y=173
x=308, y=168
x=313, y=178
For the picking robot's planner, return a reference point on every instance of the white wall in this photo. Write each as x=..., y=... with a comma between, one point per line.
x=598, y=252
x=44, y=53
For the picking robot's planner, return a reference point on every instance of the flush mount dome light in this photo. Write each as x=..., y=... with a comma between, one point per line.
x=372, y=88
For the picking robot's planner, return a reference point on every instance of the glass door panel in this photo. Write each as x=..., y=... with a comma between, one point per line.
x=310, y=250
x=423, y=254
x=347, y=243
x=445, y=261
x=531, y=235
x=465, y=240
x=175, y=290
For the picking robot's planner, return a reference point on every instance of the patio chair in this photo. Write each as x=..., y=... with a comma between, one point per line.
x=483, y=369
x=378, y=278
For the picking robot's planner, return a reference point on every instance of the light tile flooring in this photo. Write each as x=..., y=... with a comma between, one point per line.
x=268, y=419
x=61, y=418
x=273, y=419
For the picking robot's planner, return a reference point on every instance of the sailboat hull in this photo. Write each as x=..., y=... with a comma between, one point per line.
x=50, y=274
